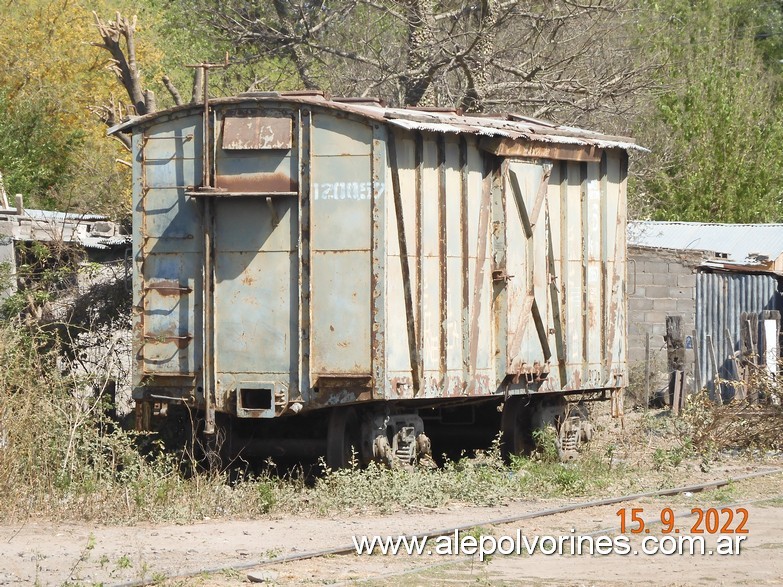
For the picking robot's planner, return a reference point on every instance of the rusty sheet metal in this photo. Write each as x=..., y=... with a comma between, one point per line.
x=538, y=149
x=562, y=276
x=343, y=187
x=251, y=130
x=378, y=262
x=256, y=294
x=268, y=171
x=511, y=126
x=171, y=314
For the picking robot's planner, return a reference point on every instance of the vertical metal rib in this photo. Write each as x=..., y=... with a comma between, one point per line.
x=413, y=351
x=443, y=269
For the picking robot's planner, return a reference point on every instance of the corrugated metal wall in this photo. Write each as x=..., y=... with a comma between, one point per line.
x=721, y=298
x=515, y=271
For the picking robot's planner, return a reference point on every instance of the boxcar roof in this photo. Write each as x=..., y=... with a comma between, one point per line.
x=439, y=120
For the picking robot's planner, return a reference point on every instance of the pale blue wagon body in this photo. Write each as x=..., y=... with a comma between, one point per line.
x=339, y=252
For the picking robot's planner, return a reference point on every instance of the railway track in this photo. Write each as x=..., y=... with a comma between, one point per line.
x=349, y=549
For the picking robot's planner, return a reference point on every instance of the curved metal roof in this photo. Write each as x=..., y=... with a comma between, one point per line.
x=439, y=120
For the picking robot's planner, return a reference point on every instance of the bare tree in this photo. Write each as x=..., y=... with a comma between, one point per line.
x=123, y=62
x=118, y=37
x=561, y=58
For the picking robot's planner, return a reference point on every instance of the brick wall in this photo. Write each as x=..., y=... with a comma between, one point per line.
x=661, y=283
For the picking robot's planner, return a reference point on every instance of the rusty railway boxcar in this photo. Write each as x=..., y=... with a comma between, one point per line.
x=360, y=268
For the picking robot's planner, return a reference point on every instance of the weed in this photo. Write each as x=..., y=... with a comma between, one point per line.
x=739, y=424
x=62, y=455
x=570, y=481
x=545, y=440
x=266, y=496
x=124, y=562
x=272, y=553
x=231, y=574
x=723, y=495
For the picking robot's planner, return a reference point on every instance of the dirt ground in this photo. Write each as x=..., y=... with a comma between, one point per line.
x=222, y=553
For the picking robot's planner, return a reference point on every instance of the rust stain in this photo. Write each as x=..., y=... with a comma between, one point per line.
x=168, y=287
x=257, y=182
x=481, y=255
x=252, y=130
x=168, y=337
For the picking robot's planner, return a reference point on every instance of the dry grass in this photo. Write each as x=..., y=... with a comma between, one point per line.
x=738, y=425
x=63, y=457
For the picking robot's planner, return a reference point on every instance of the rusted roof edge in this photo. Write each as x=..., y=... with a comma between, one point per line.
x=423, y=120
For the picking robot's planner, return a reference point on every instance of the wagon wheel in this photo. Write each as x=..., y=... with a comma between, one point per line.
x=515, y=427
x=550, y=415
x=342, y=438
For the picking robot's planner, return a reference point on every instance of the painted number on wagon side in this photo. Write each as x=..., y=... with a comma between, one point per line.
x=347, y=190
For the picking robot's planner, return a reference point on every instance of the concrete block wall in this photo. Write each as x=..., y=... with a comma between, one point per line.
x=661, y=283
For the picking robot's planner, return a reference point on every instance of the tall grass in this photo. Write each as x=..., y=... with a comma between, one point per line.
x=62, y=456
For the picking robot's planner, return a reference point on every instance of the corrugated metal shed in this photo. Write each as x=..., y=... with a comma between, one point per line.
x=93, y=231
x=54, y=216
x=736, y=241
x=721, y=298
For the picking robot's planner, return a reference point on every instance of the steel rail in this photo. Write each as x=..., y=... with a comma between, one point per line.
x=463, y=559
x=450, y=531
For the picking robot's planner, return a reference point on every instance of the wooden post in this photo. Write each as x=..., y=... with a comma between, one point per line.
x=718, y=397
x=647, y=372
x=753, y=327
x=739, y=387
x=696, y=361
x=677, y=399
x=754, y=399
x=675, y=350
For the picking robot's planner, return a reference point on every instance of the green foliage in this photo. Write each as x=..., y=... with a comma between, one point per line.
x=717, y=128
x=570, y=481
x=266, y=496
x=44, y=271
x=669, y=457
x=545, y=440
x=179, y=26
x=37, y=152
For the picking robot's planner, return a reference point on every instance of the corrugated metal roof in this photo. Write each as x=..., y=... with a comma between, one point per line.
x=512, y=126
x=62, y=216
x=92, y=242
x=93, y=231
x=737, y=241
